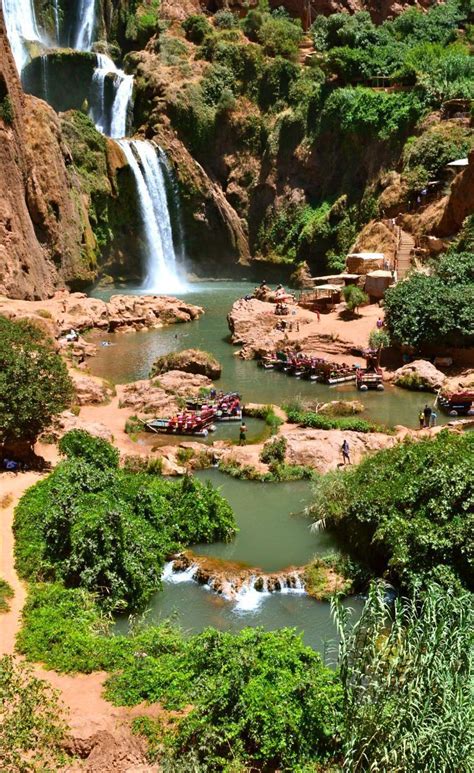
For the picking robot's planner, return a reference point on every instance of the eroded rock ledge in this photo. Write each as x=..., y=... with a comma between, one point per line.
x=77, y=311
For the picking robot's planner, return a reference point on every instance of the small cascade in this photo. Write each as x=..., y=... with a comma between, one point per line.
x=110, y=120
x=86, y=25
x=247, y=590
x=20, y=22
x=161, y=268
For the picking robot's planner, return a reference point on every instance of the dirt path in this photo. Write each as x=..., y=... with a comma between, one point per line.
x=99, y=732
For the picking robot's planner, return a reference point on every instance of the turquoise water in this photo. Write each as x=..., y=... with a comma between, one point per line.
x=132, y=355
x=274, y=534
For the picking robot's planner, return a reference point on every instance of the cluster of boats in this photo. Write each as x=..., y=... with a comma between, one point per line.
x=318, y=369
x=457, y=403
x=200, y=416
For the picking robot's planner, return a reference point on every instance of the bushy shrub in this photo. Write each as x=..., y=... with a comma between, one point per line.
x=280, y=37
x=34, y=382
x=196, y=28
x=6, y=593
x=407, y=511
x=274, y=451
x=354, y=297
x=435, y=148
x=110, y=531
x=225, y=19
x=431, y=310
x=79, y=444
x=256, y=697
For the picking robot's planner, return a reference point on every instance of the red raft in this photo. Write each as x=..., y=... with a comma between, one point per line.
x=197, y=424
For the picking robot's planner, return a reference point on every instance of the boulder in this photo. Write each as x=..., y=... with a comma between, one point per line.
x=321, y=449
x=90, y=390
x=419, y=374
x=193, y=361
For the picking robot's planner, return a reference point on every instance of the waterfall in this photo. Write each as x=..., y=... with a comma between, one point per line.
x=161, y=269
x=86, y=25
x=20, y=22
x=44, y=76
x=173, y=188
x=56, y=21
x=111, y=122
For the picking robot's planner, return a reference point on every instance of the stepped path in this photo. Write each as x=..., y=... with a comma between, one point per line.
x=405, y=250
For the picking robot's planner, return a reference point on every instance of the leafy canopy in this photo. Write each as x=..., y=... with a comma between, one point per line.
x=408, y=511
x=110, y=531
x=438, y=308
x=34, y=382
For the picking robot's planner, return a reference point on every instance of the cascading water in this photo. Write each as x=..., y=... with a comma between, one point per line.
x=86, y=25
x=113, y=123
x=109, y=111
x=20, y=22
x=161, y=268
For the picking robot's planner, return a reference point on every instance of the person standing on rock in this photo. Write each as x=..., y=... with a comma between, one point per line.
x=243, y=434
x=346, y=459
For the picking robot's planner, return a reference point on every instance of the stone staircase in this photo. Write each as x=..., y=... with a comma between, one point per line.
x=405, y=252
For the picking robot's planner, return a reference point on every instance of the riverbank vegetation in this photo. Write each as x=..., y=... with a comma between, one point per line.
x=298, y=413
x=407, y=511
x=93, y=525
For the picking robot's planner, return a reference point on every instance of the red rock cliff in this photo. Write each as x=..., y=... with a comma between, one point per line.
x=41, y=217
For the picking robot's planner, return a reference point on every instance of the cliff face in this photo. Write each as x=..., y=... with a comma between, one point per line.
x=25, y=267
x=42, y=214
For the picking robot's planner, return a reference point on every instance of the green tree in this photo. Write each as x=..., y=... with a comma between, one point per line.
x=406, y=674
x=354, y=297
x=407, y=511
x=34, y=382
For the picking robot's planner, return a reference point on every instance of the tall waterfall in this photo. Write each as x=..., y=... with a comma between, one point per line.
x=86, y=25
x=20, y=21
x=56, y=21
x=161, y=268
x=113, y=123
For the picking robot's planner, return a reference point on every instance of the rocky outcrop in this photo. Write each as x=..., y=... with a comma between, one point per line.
x=90, y=390
x=77, y=311
x=159, y=396
x=376, y=237
x=460, y=202
x=232, y=580
x=189, y=361
x=419, y=374
x=321, y=449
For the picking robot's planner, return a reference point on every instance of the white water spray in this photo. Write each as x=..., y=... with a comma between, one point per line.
x=161, y=270
x=20, y=22
x=86, y=26
x=113, y=124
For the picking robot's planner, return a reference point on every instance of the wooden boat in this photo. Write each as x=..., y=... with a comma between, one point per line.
x=457, y=403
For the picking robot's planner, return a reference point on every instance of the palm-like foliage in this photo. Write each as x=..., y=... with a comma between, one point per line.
x=405, y=671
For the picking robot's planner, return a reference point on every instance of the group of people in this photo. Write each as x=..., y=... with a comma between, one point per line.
x=427, y=417
x=188, y=421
